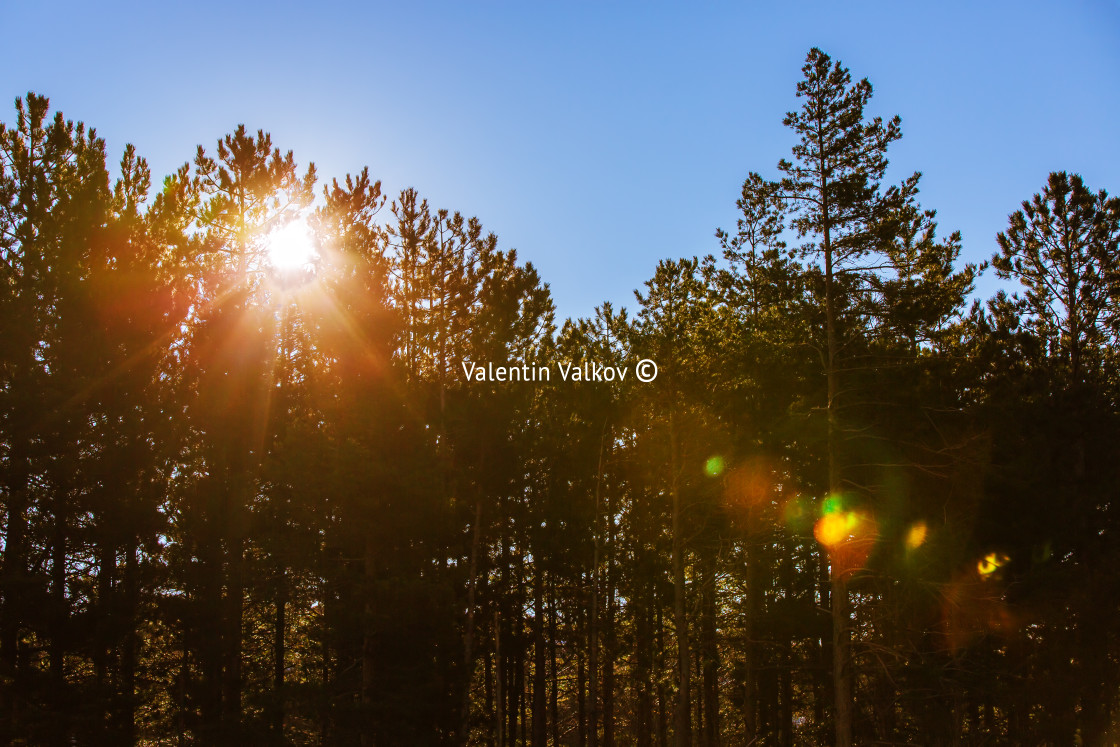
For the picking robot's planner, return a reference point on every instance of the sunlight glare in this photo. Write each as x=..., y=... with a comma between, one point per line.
x=291, y=247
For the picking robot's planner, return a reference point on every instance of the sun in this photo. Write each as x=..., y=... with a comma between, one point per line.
x=291, y=247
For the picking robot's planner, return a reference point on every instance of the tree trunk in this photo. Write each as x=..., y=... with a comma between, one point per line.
x=662, y=710
x=786, y=580
x=488, y=691
x=131, y=647
x=499, y=685
x=468, y=628
x=609, y=653
x=750, y=646
x=643, y=671
x=369, y=652
x=59, y=617
x=278, y=658
x=209, y=647
x=785, y=684
x=540, y=679
x=682, y=734
x=14, y=583
x=554, y=675
x=522, y=689
x=105, y=632
x=581, y=682
x=822, y=684
x=609, y=638
x=841, y=634
x=709, y=647
x=517, y=708
x=231, y=682
x=593, y=648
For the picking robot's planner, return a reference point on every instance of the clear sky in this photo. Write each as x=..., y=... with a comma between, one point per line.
x=594, y=137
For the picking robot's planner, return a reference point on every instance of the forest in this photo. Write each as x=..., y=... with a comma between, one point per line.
x=246, y=500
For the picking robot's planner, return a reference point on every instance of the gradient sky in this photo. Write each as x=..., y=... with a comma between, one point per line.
x=594, y=137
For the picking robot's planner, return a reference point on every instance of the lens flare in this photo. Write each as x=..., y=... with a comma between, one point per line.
x=972, y=607
x=798, y=513
x=916, y=536
x=836, y=527
x=750, y=490
x=832, y=504
x=849, y=535
x=991, y=563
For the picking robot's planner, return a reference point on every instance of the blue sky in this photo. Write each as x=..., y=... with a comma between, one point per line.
x=594, y=137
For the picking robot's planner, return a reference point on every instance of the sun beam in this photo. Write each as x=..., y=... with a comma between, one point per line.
x=291, y=247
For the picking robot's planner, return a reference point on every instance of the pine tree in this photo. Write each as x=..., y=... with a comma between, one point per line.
x=1062, y=247
x=248, y=190
x=666, y=327
x=832, y=191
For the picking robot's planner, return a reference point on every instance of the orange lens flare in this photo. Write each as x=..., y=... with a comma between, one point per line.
x=834, y=528
x=972, y=608
x=916, y=536
x=849, y=536
x=991, y=563
x=749, y=489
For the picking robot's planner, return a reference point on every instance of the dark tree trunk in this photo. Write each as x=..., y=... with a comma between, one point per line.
x=662, y=698
x=469, y=625
x=823, y=683
x=643, y=658
x=278, y=657
x=581, y=682
x=540, y=678
x=682, y=733
x=105, y=634
x=499, y=685
x=841, y=624
x=14, y=586
x=231, y=682
x=59, y=617
x=488, y=694
x=709, y=650
x=750, y=645
x=785, y=684
x=554, y=674
x=130, y=649
x=369, y=646
x=609, y=635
